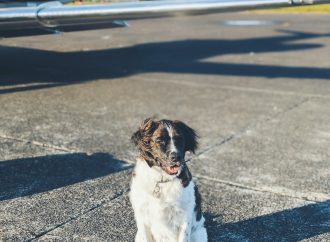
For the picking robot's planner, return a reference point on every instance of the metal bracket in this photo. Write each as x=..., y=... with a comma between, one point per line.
x=46, y=23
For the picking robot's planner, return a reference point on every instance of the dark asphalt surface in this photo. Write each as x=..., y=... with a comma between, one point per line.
x=259, y=97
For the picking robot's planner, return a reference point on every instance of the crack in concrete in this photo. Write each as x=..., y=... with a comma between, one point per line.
x=310, y=197
x=243, y=131
x=290, y=108
x=219, y=143
x=74, y=217
x=238, y=88
x=315, y=197
x=37, y=143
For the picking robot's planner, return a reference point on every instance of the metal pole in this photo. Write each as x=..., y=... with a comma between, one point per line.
x=54, y=14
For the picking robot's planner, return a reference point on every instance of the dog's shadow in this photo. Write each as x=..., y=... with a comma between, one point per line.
x=288, y=225
x=28, y=176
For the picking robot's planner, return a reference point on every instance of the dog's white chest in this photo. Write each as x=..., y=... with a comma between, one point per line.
x=171, y=198
x=165, y=208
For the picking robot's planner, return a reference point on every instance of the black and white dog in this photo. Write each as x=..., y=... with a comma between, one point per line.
x=166, y=202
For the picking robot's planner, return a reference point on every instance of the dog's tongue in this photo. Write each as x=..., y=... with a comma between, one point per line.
x=172, y=170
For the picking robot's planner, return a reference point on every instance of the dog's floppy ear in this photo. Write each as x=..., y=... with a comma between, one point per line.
x=141, y=138
x=190, y=136
x=142, y=135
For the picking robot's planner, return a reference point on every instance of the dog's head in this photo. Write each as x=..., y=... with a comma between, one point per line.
x=164, y=143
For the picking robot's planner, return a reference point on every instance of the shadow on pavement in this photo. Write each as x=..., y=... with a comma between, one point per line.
x=28, y=176
x=50, y=68
x=289, y=225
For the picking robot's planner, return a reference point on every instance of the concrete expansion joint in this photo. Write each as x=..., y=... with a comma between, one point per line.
x=244, y=131
x=241, y=88
x=294, y=106
x=37, y=143
x=75, y=217
x=273, y=92
x=320, y=197
x=217, y=144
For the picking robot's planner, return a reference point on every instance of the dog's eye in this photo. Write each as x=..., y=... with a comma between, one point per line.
x=160, y=141
x=146, y=142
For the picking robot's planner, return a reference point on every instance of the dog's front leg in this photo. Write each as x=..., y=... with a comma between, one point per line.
x=184, y=232
x=143, y=233
x=141, y=236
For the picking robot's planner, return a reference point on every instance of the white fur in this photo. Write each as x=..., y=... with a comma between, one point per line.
x=163, y=208
x=172, y=145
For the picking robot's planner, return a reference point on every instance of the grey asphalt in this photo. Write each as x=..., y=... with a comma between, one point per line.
x=259, y=97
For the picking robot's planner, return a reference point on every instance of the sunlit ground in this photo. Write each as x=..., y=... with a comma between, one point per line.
x=323, y=8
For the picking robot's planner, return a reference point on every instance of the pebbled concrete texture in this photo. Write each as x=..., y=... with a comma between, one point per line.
x=266, y=156
x=258, y=97
x=41, y=193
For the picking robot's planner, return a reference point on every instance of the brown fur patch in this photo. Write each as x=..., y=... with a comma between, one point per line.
x=141, y=138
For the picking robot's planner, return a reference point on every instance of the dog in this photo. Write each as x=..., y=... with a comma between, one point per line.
x=165, y=200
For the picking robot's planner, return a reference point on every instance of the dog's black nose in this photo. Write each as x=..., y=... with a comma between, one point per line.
x=174, y=156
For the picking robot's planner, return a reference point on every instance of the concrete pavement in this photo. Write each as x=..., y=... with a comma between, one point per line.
x=259, y=97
